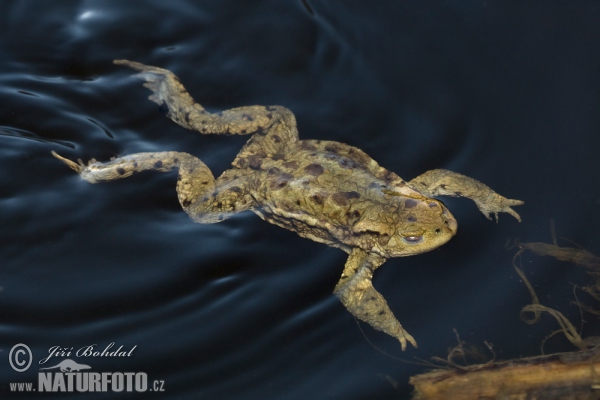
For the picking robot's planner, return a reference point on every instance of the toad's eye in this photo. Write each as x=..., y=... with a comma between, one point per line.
x=413, y=239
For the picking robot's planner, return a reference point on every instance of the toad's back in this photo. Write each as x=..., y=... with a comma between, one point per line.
x=334, y=199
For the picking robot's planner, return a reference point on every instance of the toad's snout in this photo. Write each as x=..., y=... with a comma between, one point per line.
x=450, y=223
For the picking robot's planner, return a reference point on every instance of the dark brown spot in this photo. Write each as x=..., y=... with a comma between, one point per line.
x=347, y=163
x=158, y=164
x=276, y=138
x=411, y=219
x=274, y=171
x=314, y=169
x=432, y=205
x=121, y=171
x=270, y=116
x=389, y=176
x=318, y=197
x=255, y=161
x=344, y=198
x=291, y=164
x=333, y=147
x=353, y=216
x=306, y=145
x=443, y=186
x=278, y=157
x=359, y=155
x=236, y=189
x=247, y=117
x=458, y=193
x=135, y=164
x=186, y=203
x=374, y=185
x=280, y=182
x=410, y=203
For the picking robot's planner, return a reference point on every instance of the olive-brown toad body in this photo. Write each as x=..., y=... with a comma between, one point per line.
x=333, y=199
x=326, y=191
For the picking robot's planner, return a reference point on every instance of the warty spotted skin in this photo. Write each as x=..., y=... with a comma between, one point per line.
x=325, y=191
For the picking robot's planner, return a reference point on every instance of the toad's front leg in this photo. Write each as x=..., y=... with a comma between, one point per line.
x=441, y=182
x=355, y=290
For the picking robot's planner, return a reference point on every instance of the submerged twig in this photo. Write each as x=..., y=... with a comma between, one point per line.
x=464, y=351
x=534, y=298
x=578, y=256
x=569, y=254
x=566, y=326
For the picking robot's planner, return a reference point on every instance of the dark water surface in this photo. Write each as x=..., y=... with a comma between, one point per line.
x=506, y=93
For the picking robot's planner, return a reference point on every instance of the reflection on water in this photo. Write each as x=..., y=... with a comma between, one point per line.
x=244, y=309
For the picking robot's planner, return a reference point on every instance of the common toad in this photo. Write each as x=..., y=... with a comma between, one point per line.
x=326, y=191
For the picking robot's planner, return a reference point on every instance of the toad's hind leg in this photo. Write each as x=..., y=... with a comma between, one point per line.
x=203, y=199
x=275, y=124
x=355, y=291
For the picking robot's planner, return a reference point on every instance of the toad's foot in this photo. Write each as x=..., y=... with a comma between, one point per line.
x=154, y=78
x=355, y=290
x=78, y=166
x=441, y=182
x=495, y=204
